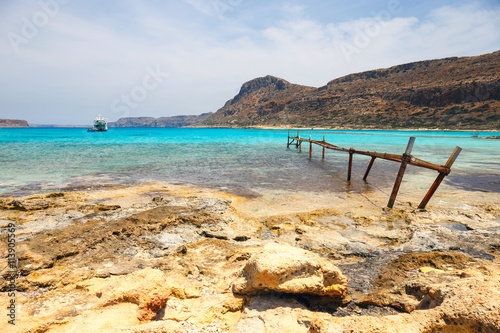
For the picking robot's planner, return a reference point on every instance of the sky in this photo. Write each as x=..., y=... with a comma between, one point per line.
x=68, y=61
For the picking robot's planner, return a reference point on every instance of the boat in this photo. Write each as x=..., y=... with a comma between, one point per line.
x=100, y=125
x=475, y=135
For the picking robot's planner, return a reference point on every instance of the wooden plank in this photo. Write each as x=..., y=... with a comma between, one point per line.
x=391, y=157
x=439, y=178
x=369, y=168
x=453, y=157
x=432, y=190
x=384, y=156
x=424, y=164
x=404, y=159
x=402, y=168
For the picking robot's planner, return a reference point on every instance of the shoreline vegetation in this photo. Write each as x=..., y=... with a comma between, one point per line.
x=165, y=257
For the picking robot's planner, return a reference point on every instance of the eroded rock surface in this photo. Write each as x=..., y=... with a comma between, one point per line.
x=287, y=269
x=166, y=258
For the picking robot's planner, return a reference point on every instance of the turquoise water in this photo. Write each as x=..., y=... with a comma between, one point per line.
x=239, y=160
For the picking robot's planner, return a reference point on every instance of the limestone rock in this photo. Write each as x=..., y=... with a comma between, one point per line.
x=147, y=288
x=272, y=314
x=287, y=269
x=468, y=305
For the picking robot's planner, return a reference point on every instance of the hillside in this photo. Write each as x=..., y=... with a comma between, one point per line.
x=175, y=121
x=451, y=93
x=13, y=123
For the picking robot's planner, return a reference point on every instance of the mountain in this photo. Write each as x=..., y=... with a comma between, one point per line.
x=175, y=121
x=451, y=93
x=13, y=123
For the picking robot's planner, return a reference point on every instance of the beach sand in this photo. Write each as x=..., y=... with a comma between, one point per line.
x=163, y=257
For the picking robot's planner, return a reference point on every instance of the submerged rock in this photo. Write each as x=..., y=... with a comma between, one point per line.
x=287, y=269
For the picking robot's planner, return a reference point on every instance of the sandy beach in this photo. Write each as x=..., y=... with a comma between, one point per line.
x=164, y=257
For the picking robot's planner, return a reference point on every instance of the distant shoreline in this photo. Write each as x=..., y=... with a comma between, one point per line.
x=33, y=126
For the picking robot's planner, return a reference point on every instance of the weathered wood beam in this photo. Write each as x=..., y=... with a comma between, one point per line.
x=351, y=152
x=324, y=147
x=428, y=165
x=406, y=158
x=369, y=168
x=440, y=178
x=310, y=147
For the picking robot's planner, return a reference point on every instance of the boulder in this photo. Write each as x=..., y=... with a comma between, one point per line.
x=287, y=269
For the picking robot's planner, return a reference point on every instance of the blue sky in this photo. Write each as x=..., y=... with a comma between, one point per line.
x=66, y=61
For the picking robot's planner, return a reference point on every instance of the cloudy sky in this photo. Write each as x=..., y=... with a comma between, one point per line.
x=66, y=61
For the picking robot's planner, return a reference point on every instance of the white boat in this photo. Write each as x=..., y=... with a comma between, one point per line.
x=100, y=125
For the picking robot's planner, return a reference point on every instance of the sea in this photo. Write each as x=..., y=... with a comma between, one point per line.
x=240, y=161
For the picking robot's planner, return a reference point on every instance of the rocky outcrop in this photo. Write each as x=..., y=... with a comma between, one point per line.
x=447, y=93
x=132, y=122
x=265, y=84
x=466, y=304
x=286, y=269
x=13, y=123
x=170, y=258
x=169, y=122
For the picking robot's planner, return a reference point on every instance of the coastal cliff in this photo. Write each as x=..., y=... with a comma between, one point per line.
x=170, y=122
x=13, y=123
x=451, y=93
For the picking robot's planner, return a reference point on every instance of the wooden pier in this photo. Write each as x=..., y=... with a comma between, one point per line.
x=404, y=159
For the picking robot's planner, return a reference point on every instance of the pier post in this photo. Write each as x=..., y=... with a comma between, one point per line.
x=403, y=159
x=324, y=147
x=288, y=140
x=351, y=152
x=404, y=162
x=310, y=147
x=369, y=168
x=440, y=178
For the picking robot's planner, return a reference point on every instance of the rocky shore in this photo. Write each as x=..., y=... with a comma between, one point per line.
x=173, y=258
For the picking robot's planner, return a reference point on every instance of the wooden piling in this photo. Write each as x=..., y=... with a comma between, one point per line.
x=324, y=147
x=404, y=162
x=310, y=147
x=351, y=152
x=440, y=178
x=403, y=159
x=369, y=168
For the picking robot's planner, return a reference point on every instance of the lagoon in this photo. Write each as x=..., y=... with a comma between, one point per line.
x=243, y=161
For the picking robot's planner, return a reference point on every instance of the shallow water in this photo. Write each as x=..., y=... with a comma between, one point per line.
x=237, y=160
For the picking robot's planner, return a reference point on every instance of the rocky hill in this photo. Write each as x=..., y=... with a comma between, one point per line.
x=451, y=93
x=13, y=123
x=175, y=121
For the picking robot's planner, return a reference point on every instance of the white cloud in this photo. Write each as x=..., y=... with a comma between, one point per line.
x=83, y=64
